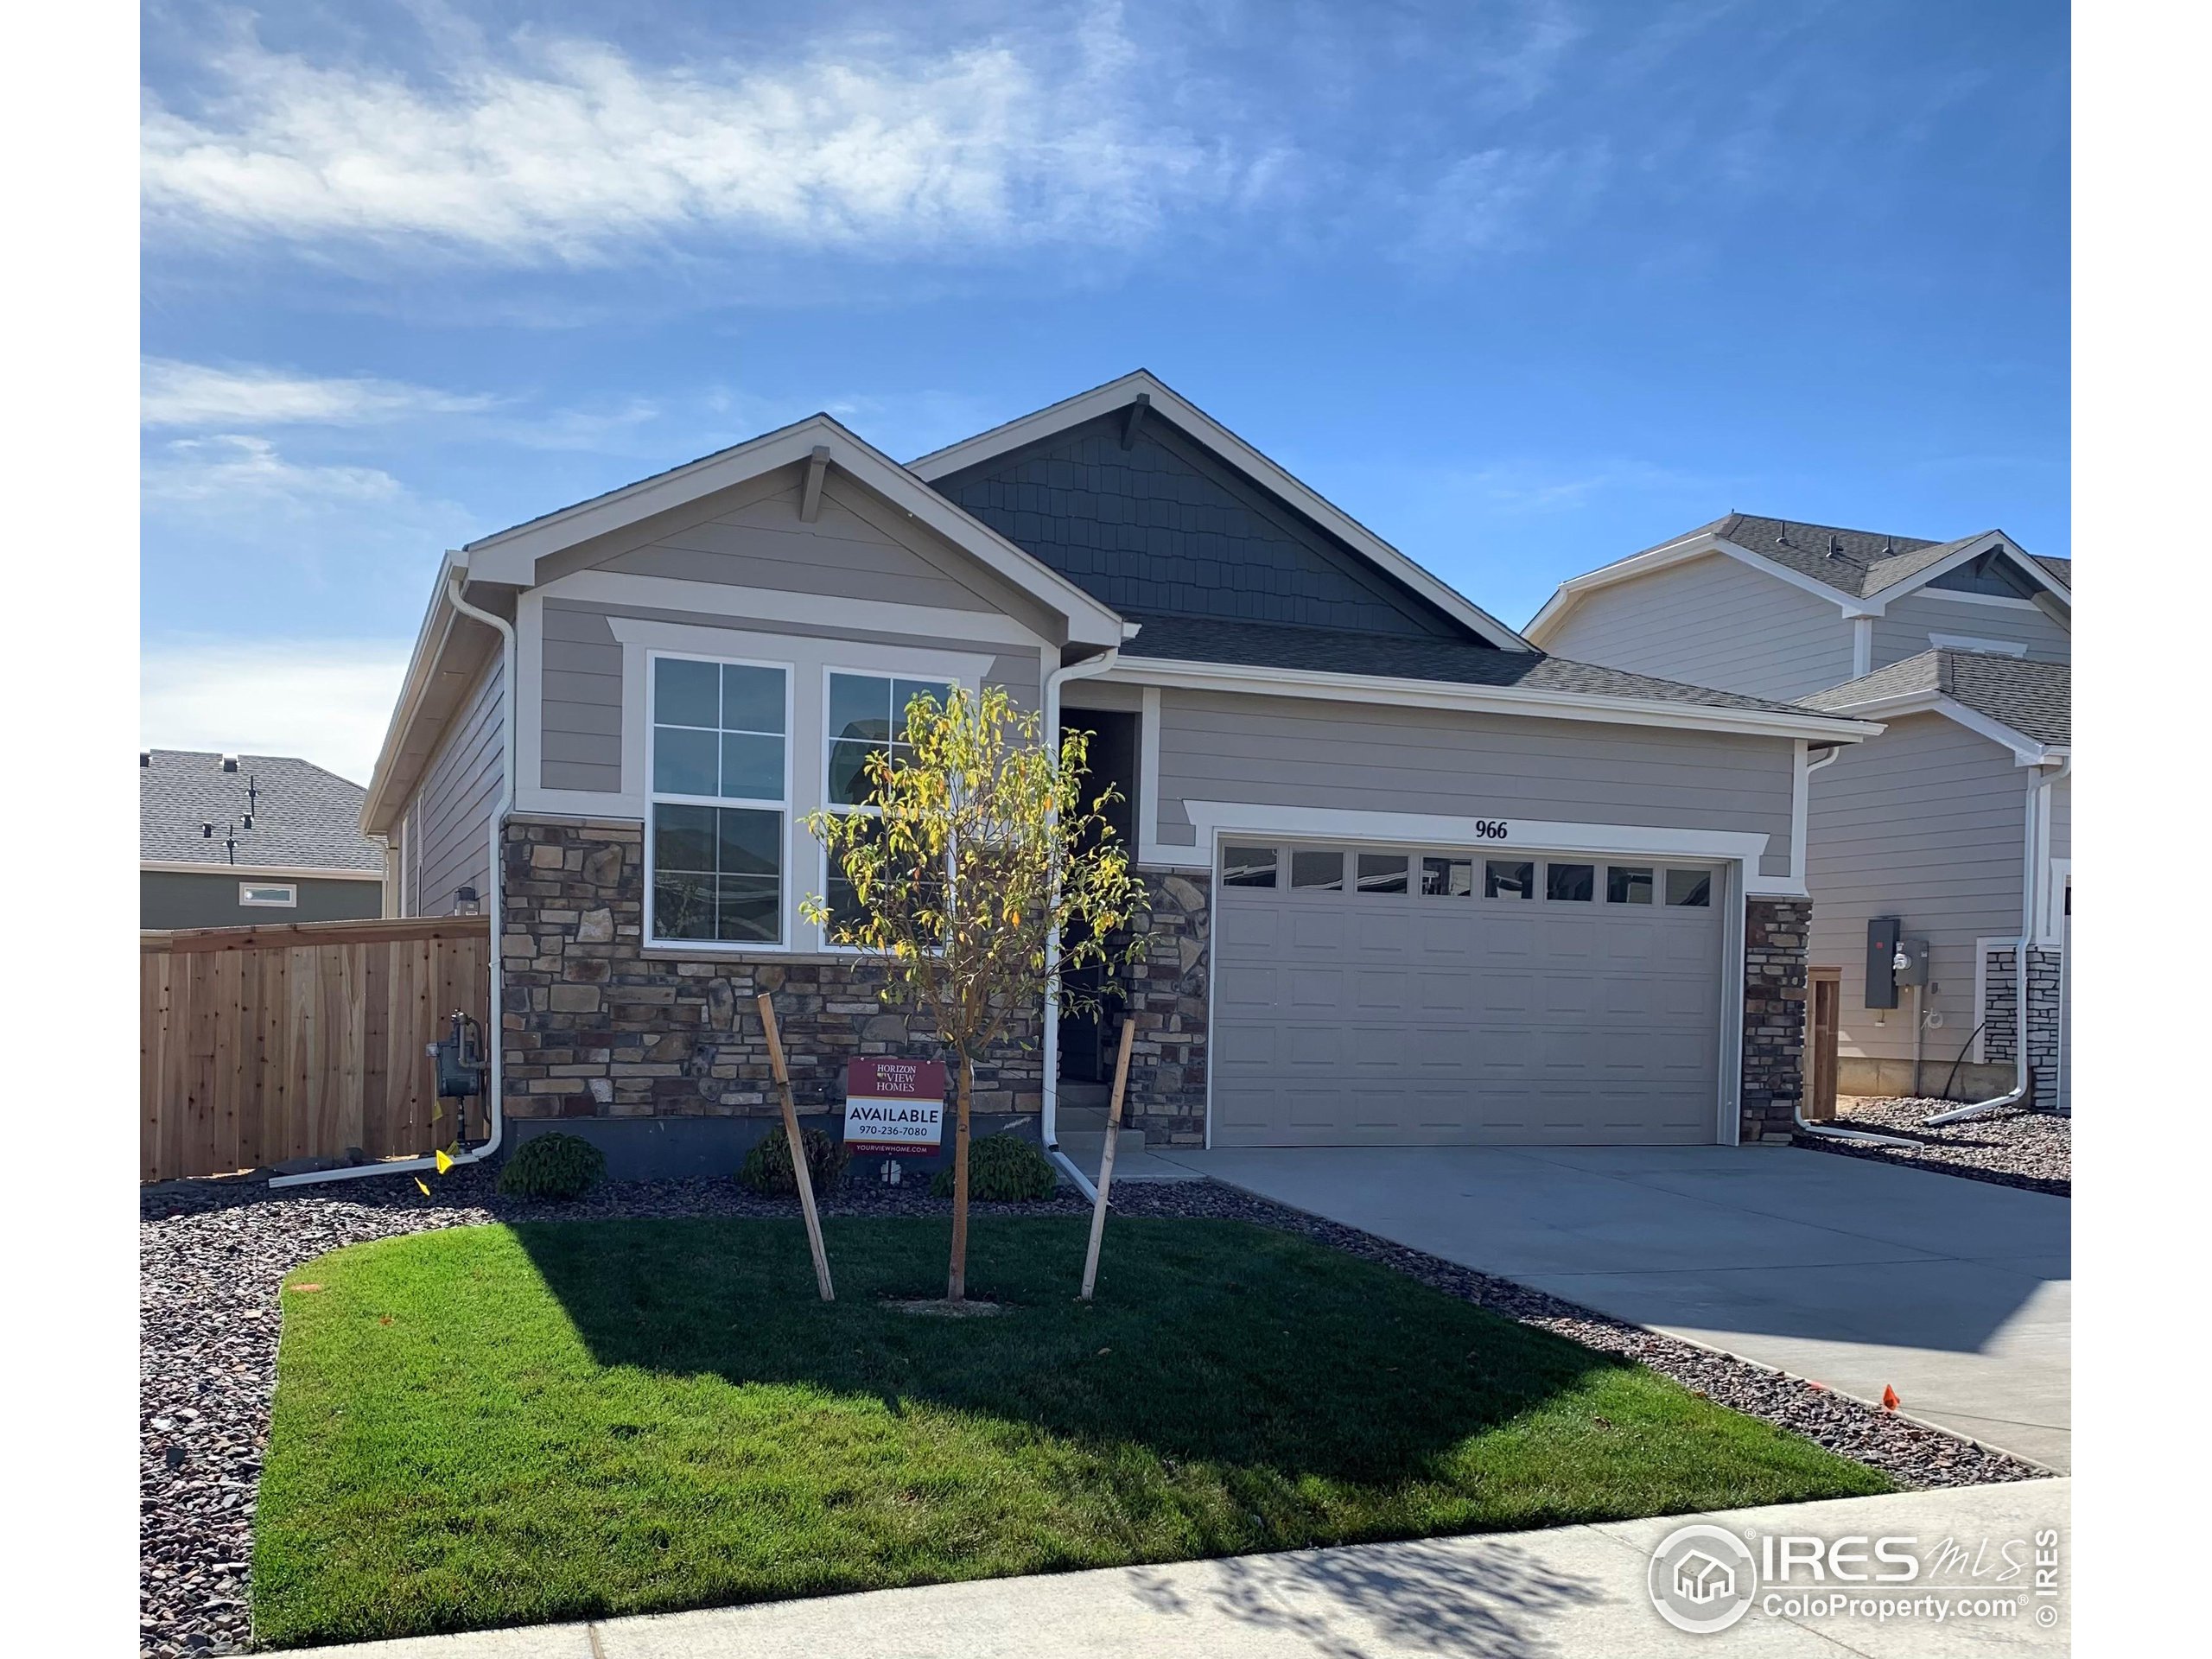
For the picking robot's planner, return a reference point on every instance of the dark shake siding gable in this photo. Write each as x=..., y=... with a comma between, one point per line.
x=1164, y=527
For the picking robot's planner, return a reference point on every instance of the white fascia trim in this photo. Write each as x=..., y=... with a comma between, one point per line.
x=1698, y=544
x=1214, y=819
x=257, y=872
x=1484, y=699
x=802, y=610
x=512, y=556
x=1179, y=411
x=1973, y=549
x=2025, y=750
x=429, y=641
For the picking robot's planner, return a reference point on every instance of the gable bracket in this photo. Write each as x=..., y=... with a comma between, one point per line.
x=810, y=500
x=1135, y=418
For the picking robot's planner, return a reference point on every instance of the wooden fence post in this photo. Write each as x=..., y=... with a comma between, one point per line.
x=799, y=1171
x=1106, y=1158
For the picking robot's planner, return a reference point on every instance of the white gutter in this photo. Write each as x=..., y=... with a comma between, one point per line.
x=1049, y=1127
x=495, y=1030
x=2032, y=859
x=1828, y=1132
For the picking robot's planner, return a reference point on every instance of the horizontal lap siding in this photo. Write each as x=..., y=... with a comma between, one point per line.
x=1906, y=622
x=1290, y=752
x=1923, y=823
x=764, y=544
x=453, y=803
x=1716, y=622
x=582, y=745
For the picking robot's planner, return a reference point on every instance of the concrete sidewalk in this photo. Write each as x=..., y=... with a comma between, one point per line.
x=1566, y=1592
x=1856, y=1274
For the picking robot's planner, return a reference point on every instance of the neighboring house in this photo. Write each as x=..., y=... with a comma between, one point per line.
x=1413, y=881
x=1954, y=822
x=240, y=840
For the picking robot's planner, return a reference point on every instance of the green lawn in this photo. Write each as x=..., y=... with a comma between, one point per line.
x=501, y=1424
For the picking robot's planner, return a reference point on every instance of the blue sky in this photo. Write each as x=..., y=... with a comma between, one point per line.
x=1524, y=287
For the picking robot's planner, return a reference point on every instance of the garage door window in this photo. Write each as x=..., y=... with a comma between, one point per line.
x=1249, y=866
x=1627, y=886
x=1570, y=883
x=1383, y=872
x=1317, y=872
x=1693, y=888
x=1505, y=878
x=1448, y=878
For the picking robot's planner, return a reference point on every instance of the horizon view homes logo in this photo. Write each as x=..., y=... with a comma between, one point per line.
x=1703, y=1579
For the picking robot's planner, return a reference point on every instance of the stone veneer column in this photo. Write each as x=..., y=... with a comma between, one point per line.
x=595, y=1027
x=1999, y=1018
x=1167, y=998
x=1775, y=979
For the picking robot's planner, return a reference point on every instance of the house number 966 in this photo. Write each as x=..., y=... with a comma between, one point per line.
x=1490, y=828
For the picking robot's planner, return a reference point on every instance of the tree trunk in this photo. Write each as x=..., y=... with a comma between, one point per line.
x=956, y=1289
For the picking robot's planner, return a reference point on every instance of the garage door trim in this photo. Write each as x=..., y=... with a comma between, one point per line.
x=1659, y=845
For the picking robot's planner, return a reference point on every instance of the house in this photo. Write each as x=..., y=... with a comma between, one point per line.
x=232, y=841
x=1413, y=881
x=1951, y=827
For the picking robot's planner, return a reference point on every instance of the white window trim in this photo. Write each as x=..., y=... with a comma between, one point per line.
x=972, y=686
x=785, y=909
x=1975, y=642
x=290, y=901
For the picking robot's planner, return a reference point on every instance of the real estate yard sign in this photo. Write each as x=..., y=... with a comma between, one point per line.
x=894, y=1105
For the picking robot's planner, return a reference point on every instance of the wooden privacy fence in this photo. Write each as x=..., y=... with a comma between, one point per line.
x=260, y=1044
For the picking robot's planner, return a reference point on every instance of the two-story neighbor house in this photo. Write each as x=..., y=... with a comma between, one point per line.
x=1412, y=880
x=1954, y=822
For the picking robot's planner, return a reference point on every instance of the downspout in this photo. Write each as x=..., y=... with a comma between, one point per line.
x=495, y=1032
x=2032, y=860
x=1822, y=1131
x=1049, y=1128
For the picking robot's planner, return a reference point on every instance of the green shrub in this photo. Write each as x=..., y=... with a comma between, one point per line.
x=767, y=1167
x=553, y=1167
x=1001, y=1168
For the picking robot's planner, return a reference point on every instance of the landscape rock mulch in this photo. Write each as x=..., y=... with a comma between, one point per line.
x=2031, y=1150
x=212, y=1256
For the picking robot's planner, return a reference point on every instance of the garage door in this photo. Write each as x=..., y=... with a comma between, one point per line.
x=1393, y=996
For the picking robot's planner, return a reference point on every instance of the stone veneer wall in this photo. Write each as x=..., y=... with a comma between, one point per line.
x=1167, y=995
x=2000, y=992
x=597, y=1028
x=1775, y=979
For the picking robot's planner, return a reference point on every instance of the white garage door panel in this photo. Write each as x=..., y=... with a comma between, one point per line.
x=1361, y=1018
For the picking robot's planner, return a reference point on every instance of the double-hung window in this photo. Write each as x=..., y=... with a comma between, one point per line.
x=867, y=715
x=720, y=800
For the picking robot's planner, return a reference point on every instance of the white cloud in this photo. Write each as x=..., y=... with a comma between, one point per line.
x=326, y=700
x=232, y=467
x=179, y=394
x=573, y=153
x=1492, y=200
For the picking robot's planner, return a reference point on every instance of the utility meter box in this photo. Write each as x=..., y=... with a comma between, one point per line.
x=1912, y=956
x=1884, y=934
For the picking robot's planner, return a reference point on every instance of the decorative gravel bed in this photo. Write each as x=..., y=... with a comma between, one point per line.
x=2031, y=1150
x=212, y=1255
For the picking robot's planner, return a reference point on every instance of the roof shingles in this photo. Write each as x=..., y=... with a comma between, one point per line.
x=2034, y=699
x=305, y=817
x=1332, y=651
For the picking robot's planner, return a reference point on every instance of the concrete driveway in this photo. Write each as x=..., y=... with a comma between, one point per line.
x=1855, y=1274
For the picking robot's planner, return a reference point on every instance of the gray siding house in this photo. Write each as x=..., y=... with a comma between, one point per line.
x=1955, y=821
x=1413, y=881
x=240, y=841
